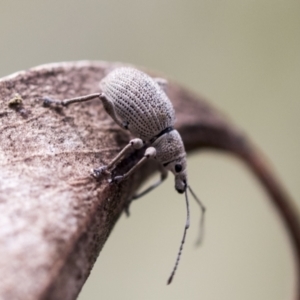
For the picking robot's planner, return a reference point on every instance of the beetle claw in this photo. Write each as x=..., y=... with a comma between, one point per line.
x=98, y=172
x=116, y=179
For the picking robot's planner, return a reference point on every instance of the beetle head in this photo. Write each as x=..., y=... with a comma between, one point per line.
x=178, y=168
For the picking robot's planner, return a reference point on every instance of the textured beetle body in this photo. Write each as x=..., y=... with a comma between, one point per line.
x=139, y=102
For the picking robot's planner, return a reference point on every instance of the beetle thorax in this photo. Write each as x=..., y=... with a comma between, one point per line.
x=169, y=147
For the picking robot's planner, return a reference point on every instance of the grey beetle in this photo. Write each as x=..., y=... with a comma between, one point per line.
x=138, y=103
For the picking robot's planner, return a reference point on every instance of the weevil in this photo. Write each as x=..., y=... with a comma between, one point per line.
x=139, y=103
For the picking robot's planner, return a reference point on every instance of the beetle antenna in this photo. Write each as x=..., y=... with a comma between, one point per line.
x=186, y=227
x=203, y=209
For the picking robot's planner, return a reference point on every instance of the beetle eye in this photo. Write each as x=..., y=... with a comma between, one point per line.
x=178, y=168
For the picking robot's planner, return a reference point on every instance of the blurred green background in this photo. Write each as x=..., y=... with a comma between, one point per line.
x=242, y=55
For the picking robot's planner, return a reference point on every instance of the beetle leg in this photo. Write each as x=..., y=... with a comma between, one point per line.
x=47, y=100
x=161, y=82
x=149, y=153
x=163, y=176
x=133, y=144
x=110, y=109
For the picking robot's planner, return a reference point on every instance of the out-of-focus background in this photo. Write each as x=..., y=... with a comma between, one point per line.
x=242, y=55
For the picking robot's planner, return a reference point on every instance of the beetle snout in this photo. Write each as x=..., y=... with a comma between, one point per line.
x=180, y=183
x=180, y=191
